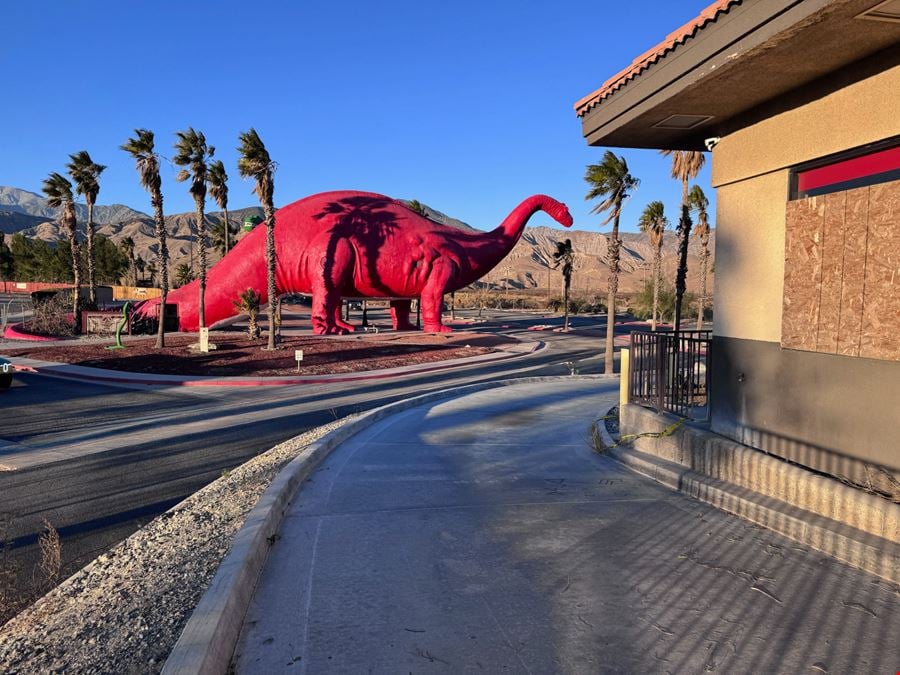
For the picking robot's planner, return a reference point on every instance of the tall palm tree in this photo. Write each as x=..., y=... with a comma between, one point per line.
x=653, y=222
x=565, y=255
x=192, y=151
x=255, y=163
x=218, y=190
x=686, y=164
x=86, y=174
x=611, y=182
x=700, y=203
x=146, y=160
x=59, y=194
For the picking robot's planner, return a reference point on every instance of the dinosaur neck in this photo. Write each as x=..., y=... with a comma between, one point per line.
x=496, y=244
x=512, y=227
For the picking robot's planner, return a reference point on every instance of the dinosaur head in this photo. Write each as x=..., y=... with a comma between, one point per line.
x=559, y=212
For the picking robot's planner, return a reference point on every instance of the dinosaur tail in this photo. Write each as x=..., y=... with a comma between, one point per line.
x=242, y=268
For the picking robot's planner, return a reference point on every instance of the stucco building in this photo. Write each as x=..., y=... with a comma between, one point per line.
x=799, y=102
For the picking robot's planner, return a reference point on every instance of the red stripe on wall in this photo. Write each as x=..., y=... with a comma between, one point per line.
x=850, y=169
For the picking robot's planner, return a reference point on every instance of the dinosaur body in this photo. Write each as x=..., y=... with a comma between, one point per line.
x=358, y=244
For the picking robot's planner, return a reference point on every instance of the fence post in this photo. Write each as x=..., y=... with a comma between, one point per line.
x=624, y=377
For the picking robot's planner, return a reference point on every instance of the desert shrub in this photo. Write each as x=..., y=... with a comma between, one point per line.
x=641, y=304
x=53, y=316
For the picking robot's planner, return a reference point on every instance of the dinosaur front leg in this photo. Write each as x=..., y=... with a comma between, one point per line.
x=400, y=310
x=432, y=297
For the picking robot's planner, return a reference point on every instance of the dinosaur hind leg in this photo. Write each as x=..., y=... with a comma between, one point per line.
x=339, y=322
x=400, y=310
x=326, y=307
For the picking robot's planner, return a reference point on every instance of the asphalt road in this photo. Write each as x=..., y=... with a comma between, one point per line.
x=147, y=449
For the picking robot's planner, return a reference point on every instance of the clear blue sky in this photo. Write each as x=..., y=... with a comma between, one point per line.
x=466, y=106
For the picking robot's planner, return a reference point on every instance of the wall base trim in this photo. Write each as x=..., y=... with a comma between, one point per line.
x=858, y=528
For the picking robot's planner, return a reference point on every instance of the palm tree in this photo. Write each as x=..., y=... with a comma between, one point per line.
x=564, y=255
x=416, y=206
x=255, y=163
x=59, y=194
x=222, y=235
x=218, y=190
x=86, y=174
x=248, y=303
x=140, y=265
x=192, y=151
x=183, y=275
x=653, y=222
x=686, y=164
x=700, y=203
x=147, y=163
x=611, y=181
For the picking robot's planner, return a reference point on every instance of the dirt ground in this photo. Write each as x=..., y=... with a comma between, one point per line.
x=237, y=356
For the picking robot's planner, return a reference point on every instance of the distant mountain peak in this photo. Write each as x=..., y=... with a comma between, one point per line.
x=17, y=200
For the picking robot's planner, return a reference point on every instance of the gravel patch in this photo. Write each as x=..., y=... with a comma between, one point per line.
x=124, y=612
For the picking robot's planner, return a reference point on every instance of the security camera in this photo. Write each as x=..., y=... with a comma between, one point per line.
x=710, y=143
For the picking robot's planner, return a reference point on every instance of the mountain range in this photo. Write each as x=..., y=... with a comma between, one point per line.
x=529, y=264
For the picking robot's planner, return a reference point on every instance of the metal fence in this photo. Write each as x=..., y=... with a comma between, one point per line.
x=669, y=376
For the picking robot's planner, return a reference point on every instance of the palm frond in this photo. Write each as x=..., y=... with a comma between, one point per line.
x=653, y=220
x=141, y=148
x=217, y=180
x=611, y=181
x=86, y=174
x=58, y=190
x=192, y=152
x=686, y=164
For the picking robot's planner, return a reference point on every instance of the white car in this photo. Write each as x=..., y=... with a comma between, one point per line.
x=6, y=373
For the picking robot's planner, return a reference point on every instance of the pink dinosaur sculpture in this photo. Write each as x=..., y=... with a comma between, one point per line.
x=358, y=244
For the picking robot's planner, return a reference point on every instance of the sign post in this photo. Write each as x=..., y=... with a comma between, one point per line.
x=204, y=339
x=298, y=356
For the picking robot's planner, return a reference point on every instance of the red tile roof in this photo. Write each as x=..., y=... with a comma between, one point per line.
x=651, y=56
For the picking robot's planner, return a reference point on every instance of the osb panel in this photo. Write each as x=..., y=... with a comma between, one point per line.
x=881, y=305
x=856, y=211
x=832, y=272
x=802, y=273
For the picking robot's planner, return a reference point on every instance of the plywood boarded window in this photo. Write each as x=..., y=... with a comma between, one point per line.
x=842, y=273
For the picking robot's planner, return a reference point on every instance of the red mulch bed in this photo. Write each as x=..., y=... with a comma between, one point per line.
x=237, y=356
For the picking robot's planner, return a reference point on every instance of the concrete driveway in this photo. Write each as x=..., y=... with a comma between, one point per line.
x=482, y=534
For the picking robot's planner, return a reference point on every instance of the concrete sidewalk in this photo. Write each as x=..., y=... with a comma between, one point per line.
x=483, y=534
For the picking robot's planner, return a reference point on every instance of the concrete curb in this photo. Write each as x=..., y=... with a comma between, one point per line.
x=85, y=373
x=209, y=638
x=863, y=550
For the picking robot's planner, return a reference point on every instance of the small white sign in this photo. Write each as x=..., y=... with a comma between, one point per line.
x=298, y=356
x=204, y=339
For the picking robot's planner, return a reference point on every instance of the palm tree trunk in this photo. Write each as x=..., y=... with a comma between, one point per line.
x=269, y=209
x=704, y=263
x=613, y=248
x=684, y=231
x=657, y=279
x=201, y=242
x=76, y=277
x=92, y=281
x=566, y=303
x=162, y=264
x=226, y=230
